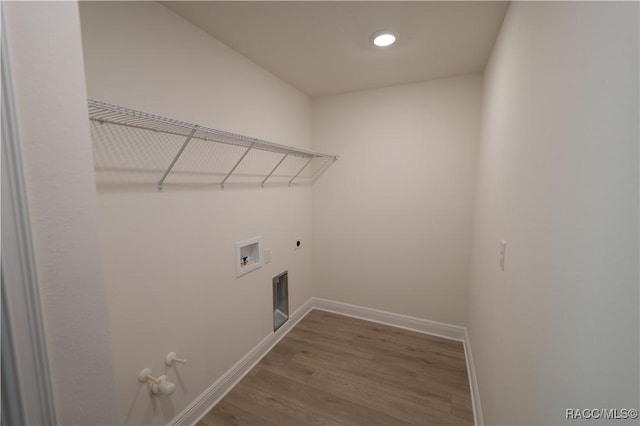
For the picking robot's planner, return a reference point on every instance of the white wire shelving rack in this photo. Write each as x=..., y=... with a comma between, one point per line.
x=127, y=140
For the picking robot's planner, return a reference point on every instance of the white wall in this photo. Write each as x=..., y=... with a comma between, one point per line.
x=50, y=99
x=558, y=180
x=392, y=218
x=169, y=257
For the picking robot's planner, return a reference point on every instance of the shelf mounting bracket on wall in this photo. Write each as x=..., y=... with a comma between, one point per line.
x=175, y=159
x=298, y=174
x=236, y=165
x=274, y=169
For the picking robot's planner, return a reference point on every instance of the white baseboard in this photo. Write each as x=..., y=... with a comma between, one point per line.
x=440, y=329
x=473, y=382
x=210, y=397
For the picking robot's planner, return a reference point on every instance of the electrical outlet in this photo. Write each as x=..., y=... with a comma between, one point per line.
x=503, y=251
x=267, y=255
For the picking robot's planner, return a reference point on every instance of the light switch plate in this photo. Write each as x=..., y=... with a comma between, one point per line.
x=503, y=251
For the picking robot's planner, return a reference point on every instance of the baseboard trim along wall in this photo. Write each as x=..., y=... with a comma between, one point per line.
x=473, y=382
x=210, y=397
x=440, y=329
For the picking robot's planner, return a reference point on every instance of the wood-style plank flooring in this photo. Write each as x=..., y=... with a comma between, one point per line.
x=336, y=370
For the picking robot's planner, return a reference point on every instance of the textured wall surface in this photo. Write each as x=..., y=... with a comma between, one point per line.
x=169, y=257
x=46, y=59
x=392, y=218
x=558, y=181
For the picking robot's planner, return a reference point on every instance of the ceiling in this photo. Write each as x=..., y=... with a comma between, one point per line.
x=324, y=48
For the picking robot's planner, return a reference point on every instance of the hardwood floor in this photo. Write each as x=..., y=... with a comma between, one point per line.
x=336, y=370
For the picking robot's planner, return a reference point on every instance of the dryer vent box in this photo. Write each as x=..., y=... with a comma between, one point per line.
x=280, y=299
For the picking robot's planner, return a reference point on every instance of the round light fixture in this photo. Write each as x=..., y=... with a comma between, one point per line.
x=383, y=39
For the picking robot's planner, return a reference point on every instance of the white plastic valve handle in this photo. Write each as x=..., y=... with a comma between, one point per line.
x=173, y=358
x=145, y=375
x=165, y=387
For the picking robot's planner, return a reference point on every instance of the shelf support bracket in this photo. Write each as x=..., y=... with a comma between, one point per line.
x=298, y=174
x=236, y=165
x=274, y=169
x=175, y=159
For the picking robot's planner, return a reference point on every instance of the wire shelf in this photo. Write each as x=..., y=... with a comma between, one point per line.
x=134, y=146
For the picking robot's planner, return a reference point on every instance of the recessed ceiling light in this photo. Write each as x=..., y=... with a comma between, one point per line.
x=383, y=39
